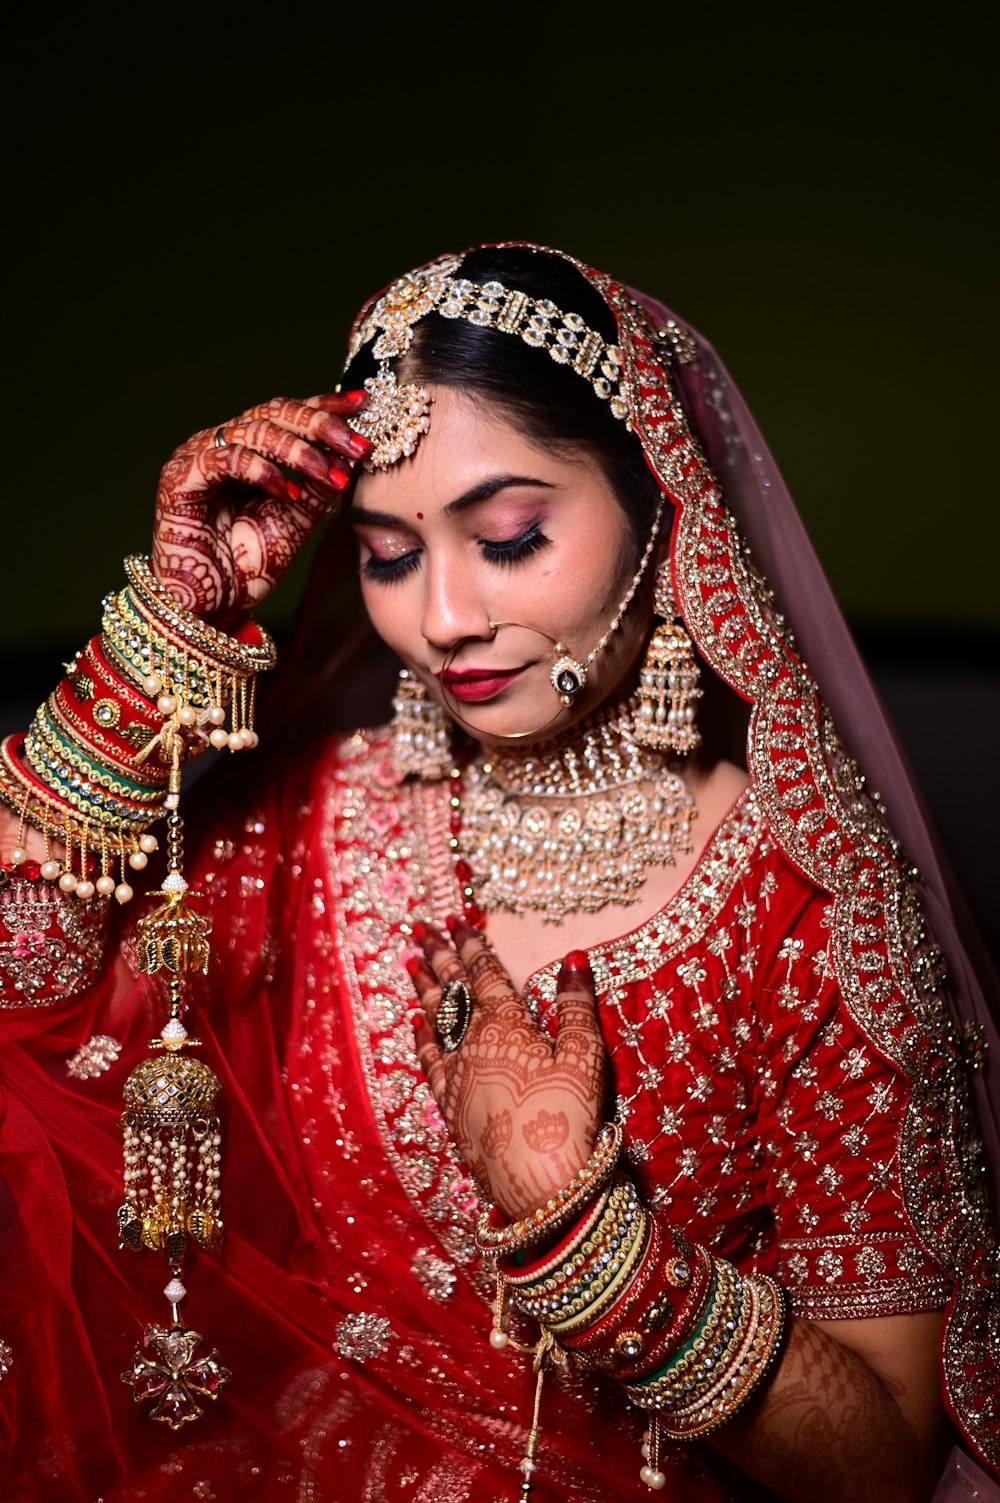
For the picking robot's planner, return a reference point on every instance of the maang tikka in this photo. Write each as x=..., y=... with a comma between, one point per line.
x=398, y=413
x=664, y=703
x=421, y=731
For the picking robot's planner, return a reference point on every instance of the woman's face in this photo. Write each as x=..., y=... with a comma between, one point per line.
x=480, y=526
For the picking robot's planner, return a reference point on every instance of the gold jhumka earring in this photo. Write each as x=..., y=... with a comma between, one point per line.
x=664, y=703
x=421, y=732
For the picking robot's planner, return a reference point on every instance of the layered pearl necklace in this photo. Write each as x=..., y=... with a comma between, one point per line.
x=568, y=827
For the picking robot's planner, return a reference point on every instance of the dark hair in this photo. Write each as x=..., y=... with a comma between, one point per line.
x=548, y=403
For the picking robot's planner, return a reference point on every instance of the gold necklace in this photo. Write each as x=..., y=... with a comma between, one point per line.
x=571, y=826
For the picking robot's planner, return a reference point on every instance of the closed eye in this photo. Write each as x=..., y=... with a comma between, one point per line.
x=503, y=551
x=509, y=551
x=388, y=570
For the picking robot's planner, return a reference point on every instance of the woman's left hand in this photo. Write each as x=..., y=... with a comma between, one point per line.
x=522, y=1109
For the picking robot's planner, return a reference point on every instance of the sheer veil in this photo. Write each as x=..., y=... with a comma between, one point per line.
x=757, y=495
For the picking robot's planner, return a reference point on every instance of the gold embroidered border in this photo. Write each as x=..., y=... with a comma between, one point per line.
x=371, y=821
x=681, y=922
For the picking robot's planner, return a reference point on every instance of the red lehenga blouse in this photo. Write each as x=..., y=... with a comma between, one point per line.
x=349, y=1301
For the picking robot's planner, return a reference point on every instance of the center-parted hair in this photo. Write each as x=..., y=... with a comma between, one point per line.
x=547, y=403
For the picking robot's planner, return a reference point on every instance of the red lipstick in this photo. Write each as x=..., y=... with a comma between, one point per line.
x=473, y=685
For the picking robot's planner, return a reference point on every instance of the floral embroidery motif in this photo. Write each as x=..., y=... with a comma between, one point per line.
x=436, y=1275
x=362, y=1337
x=50, y=945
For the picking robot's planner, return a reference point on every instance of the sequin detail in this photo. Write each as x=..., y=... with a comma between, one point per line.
x=51, y=946
x=362, y=1337
x=435, y=1274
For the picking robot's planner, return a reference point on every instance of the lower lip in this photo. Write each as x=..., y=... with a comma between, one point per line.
x=474, y=690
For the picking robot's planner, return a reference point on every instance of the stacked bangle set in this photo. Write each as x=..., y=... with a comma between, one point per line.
x=689, y=1336
x=101, y=762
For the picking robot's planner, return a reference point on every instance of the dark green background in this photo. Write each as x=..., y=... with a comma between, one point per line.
x=198, y=205
x=195, y=222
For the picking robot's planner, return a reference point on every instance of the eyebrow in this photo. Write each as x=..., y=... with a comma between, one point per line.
x=481, y=492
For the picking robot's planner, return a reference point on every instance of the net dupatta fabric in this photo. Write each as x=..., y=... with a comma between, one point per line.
x=762, y=615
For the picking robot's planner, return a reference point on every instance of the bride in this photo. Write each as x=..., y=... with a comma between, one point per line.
x=575, y=1063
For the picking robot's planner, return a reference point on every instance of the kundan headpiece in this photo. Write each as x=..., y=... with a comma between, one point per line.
x=399, y=413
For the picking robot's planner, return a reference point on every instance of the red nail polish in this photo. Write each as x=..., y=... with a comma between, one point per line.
x=359, y=446
x=294, y=491
x=451, y=921
x=338, y=477
x=413, y=964
x=419, y=930
x=357, y=397
x=577, y=960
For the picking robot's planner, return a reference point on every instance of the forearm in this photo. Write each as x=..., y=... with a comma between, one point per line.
x=825, y=1426
x=17, y=840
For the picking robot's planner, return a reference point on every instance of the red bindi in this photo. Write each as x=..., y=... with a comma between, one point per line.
x=420, y=516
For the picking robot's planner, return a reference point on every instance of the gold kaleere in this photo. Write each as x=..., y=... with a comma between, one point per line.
x=172, y=1154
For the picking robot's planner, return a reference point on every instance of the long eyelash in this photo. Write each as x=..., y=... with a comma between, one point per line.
x=512, y=550
x=389, y=570
x=505, y=551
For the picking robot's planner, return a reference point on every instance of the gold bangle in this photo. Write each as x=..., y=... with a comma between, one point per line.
x=497, y=1237
x=188, y=631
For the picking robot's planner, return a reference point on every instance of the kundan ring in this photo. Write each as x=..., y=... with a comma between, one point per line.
x=218, y=440
x=453, y=1014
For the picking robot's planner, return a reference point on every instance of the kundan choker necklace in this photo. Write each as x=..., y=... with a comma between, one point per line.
x=567, y=827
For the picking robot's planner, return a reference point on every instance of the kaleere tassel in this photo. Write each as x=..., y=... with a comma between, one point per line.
x=172, y=1154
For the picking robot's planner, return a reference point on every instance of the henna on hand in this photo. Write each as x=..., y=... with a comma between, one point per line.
x=523, y=1110
x=232, y=514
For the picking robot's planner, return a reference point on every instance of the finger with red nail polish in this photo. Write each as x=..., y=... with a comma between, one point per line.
x=577, y=962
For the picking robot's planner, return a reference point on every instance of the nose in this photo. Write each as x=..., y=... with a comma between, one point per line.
x=454, y=605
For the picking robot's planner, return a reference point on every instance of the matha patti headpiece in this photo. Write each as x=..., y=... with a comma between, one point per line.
x=398, y=414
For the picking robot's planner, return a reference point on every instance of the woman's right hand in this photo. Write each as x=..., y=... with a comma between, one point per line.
x=235, y=503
